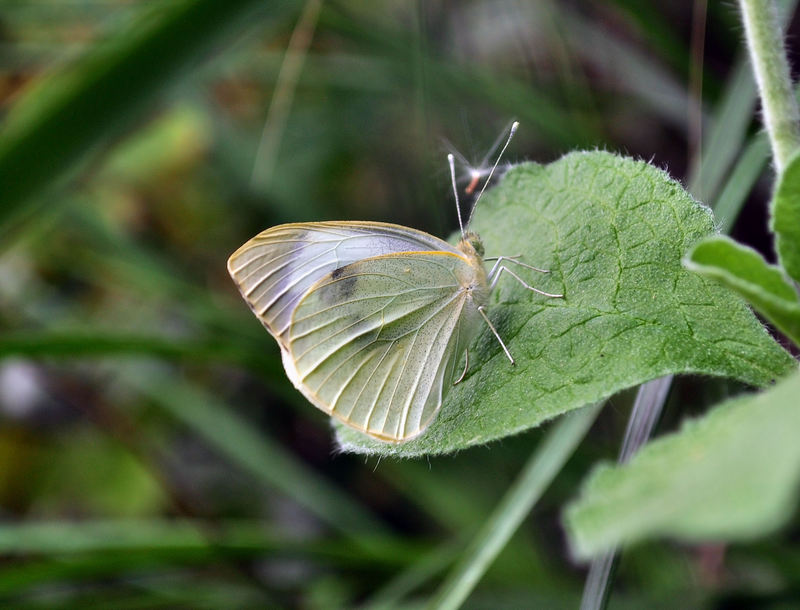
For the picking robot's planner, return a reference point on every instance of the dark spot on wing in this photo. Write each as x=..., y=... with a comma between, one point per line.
x=342, y=286
x=346, y=287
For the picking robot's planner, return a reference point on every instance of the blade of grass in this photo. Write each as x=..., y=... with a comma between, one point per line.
x=645, y=413
x=729, y=125
x=654, y=29
x=425, y=568
x=257, y=454
x=144, y=268
x=59, y=537
x=749, y=167
x=57, y=123
x=745, y=173
x=168, y=540
x=648, y=81
x=727, y=132
x=448, y=503
x=185, y=590
x=534, y=107
x=457, y=508
x=547, y=461
x=95, y=344
x=282, y=97
x=96, y=549
x=696, y=75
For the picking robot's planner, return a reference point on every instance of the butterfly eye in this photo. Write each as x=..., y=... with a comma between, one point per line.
x=475, y=241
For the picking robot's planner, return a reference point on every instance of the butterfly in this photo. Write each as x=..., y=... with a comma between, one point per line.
x=372, y=319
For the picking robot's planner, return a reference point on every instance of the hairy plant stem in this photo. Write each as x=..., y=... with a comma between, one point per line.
x=771, y=68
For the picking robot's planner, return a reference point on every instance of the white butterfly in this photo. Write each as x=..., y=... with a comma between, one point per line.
x=371, y=318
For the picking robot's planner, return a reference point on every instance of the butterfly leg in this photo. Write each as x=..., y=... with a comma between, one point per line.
x=464, y=372
x=519, y=279
x=482, y=311
x=512, y=259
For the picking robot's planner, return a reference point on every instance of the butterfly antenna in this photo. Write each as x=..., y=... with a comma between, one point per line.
x=514, y=126
x=495, y=145
x=451, y=161
x=449, y=147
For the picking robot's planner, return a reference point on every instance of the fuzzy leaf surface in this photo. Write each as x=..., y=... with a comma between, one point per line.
x=612, y=231
x=744, y=270
x=731, y=475
x=786, y=218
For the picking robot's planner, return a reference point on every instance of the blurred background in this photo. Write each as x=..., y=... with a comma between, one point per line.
x=152, y=452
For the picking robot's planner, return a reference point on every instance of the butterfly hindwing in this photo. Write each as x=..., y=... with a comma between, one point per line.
x=276, y=268
x=373, y=343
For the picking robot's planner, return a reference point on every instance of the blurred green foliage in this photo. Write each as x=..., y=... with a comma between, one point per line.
x=152, y=453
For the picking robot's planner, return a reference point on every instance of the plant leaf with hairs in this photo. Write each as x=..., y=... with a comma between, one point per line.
x=612, y=231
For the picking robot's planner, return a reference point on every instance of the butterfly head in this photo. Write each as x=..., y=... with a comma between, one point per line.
x=471, y=244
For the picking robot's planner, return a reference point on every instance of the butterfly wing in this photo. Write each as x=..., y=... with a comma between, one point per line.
x=276, y=268
x=375, y=343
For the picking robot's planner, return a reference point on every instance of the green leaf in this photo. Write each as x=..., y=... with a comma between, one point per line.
x=786, y=218
x=612, y=231
x=745, y=271
x=731, y=475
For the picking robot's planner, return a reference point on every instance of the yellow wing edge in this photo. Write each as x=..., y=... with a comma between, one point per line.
x=344, y=224
x=445, y=248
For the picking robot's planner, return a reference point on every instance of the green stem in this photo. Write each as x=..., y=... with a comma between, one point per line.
x=542, y=467
x=768, y=56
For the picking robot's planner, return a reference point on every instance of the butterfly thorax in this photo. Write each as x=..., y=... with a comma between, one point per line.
x=476, y=285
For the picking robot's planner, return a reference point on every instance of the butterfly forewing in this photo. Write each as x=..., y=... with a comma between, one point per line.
x=374, y=342
x=276, y=268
